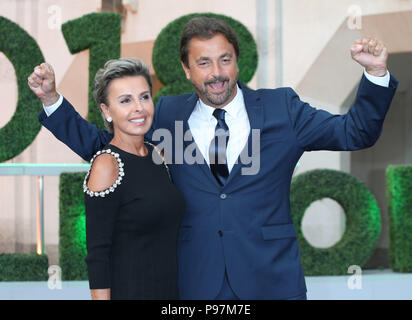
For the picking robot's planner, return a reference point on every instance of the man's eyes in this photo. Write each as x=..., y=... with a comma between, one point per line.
x=203, y=63
x=207, y=63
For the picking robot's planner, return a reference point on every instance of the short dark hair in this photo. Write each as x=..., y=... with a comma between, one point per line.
x=205, y=28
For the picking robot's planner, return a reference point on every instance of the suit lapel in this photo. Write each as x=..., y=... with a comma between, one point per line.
x=184, y=115
x=254, y=111
x=186, y=110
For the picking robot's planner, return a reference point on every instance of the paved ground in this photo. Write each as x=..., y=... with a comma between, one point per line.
x=372, y=285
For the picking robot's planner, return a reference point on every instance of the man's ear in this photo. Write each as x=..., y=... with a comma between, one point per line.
x=186, y=69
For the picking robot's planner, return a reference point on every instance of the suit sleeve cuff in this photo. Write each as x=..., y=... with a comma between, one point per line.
x=50, y=109
x=380, y=81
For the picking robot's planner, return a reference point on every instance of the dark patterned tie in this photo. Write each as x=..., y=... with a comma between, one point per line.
x=217, y=149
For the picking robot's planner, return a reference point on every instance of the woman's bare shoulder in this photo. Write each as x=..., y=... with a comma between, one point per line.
x=103, y=173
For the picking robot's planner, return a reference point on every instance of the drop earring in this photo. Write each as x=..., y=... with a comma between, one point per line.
x=109, y=119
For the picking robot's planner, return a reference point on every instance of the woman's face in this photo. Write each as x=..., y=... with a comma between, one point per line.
x=130, y=105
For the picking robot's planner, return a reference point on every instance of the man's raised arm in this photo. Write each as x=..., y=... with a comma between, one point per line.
x=62, y=119
x=362, y=125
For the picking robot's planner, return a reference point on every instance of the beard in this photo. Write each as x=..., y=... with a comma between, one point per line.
x=212, y=99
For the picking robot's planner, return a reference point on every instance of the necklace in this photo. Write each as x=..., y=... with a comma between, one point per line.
x=161, y=156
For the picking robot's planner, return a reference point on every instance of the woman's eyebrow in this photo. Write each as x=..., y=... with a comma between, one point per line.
x=125, y=95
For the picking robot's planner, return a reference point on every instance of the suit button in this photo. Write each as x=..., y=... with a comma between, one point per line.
x=223, y=196
x=220, y=233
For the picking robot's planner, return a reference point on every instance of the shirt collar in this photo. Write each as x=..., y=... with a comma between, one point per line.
x=233, y=108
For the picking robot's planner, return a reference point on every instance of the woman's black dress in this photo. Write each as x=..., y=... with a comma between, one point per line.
x=132, y=227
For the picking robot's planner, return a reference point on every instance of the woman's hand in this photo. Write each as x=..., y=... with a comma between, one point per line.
x=100, y=294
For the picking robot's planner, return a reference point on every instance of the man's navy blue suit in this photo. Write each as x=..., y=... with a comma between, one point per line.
x=245, y=226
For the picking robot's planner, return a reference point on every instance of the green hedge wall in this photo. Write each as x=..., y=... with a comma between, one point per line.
x=99, y=32
x=358, y=243
x=399, y=195
x=363, y=222
x=24, y=53
x=72, y=234
x=166, y=56
x=18, y=134
x=23, y=267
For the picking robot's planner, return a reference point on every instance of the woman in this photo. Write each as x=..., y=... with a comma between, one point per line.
x=133, y=210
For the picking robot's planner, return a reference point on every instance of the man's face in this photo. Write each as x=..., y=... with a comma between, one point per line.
x=213, y=70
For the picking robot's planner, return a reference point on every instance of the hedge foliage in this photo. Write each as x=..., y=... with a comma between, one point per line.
x=72, y=235
x=23, y=267
x=399, y=195
x=166, y=55
x=357, y=245
x=24, y=54
x=99, y=32
x=18, y=134
x=363, y=222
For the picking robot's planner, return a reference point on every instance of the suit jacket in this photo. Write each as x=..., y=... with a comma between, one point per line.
x=244, y=227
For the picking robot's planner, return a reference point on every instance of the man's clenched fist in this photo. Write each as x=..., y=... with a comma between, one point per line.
x=371, y=54
x=42, y=83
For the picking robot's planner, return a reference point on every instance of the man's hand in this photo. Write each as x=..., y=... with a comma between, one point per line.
x=371, y=54
x=42, y=83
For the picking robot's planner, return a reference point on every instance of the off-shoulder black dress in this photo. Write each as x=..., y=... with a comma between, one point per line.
x=132, y=227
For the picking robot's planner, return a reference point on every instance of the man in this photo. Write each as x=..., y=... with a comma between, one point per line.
x=237, y=239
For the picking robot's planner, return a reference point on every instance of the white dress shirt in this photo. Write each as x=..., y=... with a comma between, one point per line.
x=50, y=109
x=202, y=125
